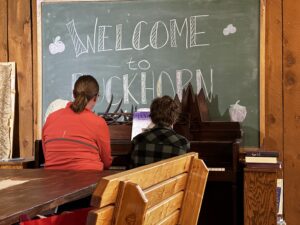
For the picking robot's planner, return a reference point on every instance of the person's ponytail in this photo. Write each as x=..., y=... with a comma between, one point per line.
x=79, y=102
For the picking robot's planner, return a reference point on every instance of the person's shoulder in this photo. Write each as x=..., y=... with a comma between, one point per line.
x=96, y=118
x=180, y=137
x=54, y=106
x=56, y=114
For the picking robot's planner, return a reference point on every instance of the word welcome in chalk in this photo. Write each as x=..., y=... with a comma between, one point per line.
x=161, y=34
x=156, y=84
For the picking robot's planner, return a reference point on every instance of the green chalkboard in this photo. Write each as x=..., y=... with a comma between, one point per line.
x=138, y=50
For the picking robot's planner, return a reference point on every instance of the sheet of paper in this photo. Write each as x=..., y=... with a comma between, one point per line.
x=140, y=121
x=9, y=183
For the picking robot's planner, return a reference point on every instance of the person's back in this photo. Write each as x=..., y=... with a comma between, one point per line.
x=77, y=140
x=157, y=144
x=160, y=142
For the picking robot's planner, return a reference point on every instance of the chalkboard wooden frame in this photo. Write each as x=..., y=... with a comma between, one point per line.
x=262, y=80
x=38, y=109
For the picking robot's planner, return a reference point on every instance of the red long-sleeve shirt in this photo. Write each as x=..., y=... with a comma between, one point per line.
x=76, y=141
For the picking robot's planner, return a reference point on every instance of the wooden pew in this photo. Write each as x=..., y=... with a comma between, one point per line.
x=162, y=193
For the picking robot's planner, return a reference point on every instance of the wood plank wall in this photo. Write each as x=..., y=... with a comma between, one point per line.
x=273, y=72
x=3, y=31
x=16, y=46
x=282, y=91
x=291, y=89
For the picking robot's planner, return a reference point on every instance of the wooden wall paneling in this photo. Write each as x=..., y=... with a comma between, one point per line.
x=3, y=31
x=291, y=72
x=20, y=51
x=34, y=68
x=273, y=73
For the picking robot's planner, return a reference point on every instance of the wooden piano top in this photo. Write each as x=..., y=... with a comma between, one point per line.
x=197, y=131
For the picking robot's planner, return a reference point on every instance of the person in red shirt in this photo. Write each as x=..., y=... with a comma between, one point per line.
x=74, y=138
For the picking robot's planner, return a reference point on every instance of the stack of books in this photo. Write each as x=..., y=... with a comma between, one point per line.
x=262, y=158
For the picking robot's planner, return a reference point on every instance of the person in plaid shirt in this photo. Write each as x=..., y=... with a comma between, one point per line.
x=161, y=141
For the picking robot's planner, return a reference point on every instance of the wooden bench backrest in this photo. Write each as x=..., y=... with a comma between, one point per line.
x=163, y=193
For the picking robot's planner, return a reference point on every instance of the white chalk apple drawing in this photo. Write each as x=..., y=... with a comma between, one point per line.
x=230, y=29
x=237, y=112
x=57, y=46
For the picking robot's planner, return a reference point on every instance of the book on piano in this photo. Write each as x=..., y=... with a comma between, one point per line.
x=261, y=156
x=262, y=153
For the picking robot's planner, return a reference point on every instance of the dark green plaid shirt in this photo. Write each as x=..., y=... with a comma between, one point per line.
x=156, y=144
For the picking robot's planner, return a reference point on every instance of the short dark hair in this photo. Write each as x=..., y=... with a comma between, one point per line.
x=86, y=87
x=164, y=111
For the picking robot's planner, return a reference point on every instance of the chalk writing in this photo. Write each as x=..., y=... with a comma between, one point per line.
x=155, y=86
x=169, y=33
x=140, y=72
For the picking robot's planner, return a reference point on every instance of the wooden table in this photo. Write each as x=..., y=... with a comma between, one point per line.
x=43, y=190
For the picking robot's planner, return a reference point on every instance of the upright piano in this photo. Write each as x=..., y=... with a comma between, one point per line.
x=217, y=143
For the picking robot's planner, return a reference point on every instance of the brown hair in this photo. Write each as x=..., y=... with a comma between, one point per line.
x=86, y=87
x=164, y=111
